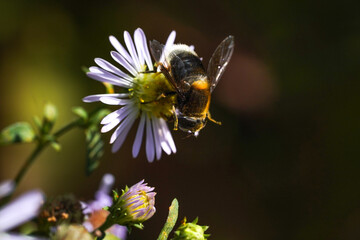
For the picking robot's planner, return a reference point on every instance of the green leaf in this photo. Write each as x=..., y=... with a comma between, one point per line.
x=85, y=69
x=94, y=148
x=81, y=112
x=138, y=226
x=21, y=132
x=170, y=221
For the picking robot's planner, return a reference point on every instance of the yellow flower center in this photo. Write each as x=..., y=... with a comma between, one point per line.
x=153, y=93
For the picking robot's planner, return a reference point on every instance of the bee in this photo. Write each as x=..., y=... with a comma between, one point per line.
x=193, y=85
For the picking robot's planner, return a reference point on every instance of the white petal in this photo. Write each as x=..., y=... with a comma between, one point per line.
x=167, y=135
x=130, y=46
x=139, y=136
x=123, y=114
x=157, y=133
x=139, y=45
x=110, y=126
x=96, y=97
x=119, y=231
x=150, y=145
x=122, y=61
x=114, y=101
x=94, y=69
x=111, y=68
x=112, y=116
x=146, y=50
x=6, y=188
x=20, y=210
x=123, y=131
x=169, y=42
x=117, y=45
x=129, y=110
x=14, y=236
x=106, y=183
x=164, y=144
x=110, y=78
x=89, y=227
x=107, y=74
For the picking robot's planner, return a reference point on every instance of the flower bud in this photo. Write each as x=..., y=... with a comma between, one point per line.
x=134, y=206
x=50, y=112
x=191, y=231
x=139, y=201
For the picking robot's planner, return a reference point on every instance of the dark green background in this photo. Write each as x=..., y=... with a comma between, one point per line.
x=284, y=164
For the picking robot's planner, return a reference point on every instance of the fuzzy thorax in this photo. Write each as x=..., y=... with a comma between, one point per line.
x=152, y=93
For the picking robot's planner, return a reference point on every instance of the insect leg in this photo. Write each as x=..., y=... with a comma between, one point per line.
x=176, y=122
x=208, y=115
x=153, y=71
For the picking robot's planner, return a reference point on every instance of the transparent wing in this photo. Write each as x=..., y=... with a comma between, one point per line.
x=220, y=60
x=156, y=49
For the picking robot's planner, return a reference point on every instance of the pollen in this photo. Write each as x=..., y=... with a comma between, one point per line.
x=52, y=219
x=201, y=84
x=64, y=215
x=153, y=93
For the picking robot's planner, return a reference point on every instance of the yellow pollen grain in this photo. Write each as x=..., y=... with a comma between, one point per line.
x=64, y=215
x=201, y=84
x=51, y=219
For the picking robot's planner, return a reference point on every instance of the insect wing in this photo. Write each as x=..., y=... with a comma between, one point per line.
x=220, y=60
x=156, y=49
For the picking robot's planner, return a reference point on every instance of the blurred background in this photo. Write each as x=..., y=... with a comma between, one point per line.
x=284, y=164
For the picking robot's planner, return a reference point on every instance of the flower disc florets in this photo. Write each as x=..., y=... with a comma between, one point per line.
x=153, y=94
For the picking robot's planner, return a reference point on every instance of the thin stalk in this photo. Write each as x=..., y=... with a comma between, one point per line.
x=39, y=148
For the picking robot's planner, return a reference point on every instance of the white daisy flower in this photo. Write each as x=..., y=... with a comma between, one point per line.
x=147, y=96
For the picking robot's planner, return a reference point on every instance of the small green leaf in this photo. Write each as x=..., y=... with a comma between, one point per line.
x=56, y=146
x=21, y=132
x=81, y=112
x=115, y=195
x=138, y=226
x=170, y=221
x=94, y=148
x=85, y=69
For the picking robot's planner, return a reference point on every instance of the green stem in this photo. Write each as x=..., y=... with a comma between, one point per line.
x=27, y=164
x=40, y=146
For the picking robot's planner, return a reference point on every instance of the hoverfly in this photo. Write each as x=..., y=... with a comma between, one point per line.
x=193, y=85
